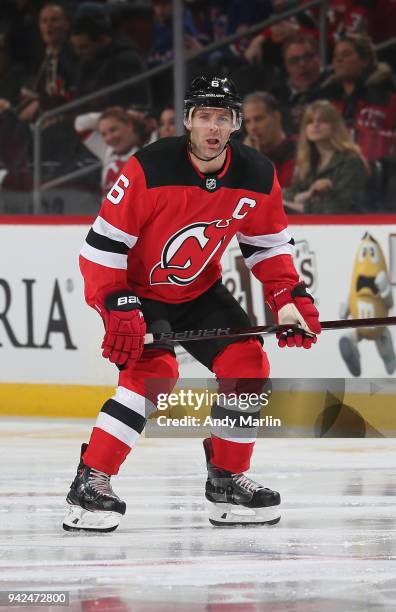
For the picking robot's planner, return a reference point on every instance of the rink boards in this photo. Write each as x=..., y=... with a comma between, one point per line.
x=50, y=340
x=301, y=412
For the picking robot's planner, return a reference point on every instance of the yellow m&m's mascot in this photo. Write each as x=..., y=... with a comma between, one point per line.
x=370, y=296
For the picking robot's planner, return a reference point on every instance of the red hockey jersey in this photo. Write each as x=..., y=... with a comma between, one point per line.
x=164, y=225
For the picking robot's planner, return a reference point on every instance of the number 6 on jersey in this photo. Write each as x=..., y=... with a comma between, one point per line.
x=116, y=193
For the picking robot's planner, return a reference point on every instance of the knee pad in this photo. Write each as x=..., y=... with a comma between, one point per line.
x=244, y=359
x=242, y=367
x=156, y=372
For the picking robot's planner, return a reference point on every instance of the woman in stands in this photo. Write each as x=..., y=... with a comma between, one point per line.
x=363, y=90
x=113, y=136
x=330, y=172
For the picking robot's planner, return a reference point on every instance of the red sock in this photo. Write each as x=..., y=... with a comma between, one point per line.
x=105, y=452
x=231, y=456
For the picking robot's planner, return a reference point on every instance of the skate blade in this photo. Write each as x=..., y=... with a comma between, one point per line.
x=230, y=515
x=78, y=519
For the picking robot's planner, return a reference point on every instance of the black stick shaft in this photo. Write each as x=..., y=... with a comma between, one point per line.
x=227, y=332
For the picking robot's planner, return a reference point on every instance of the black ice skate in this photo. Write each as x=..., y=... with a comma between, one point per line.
x=93, y=505
x=236, y=500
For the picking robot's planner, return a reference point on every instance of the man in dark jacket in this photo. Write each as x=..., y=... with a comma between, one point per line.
x=105, y=61
x=264, y=132
x=49, y=84
x=304, y=78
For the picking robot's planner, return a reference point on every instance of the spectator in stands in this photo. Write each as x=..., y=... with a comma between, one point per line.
x=209, y=21
x=343, y=17
x=51, y=82
x=167, y=123
x=113, y=136
x=262, y=69
x=148, y=125
x=264, y=132
x=363, y=90
x=49, y=85
x=331, y=172
x=350, y=17
x=216, y=19
x=266, y=47
x=161, y=49
x=104, y=61
x=305, y=76
x=162, y=36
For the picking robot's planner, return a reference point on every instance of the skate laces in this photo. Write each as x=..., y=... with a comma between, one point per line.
x=246, y=483
x=100, y=482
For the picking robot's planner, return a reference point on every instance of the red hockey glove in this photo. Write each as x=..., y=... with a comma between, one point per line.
x=125, y=328
x=295, y=306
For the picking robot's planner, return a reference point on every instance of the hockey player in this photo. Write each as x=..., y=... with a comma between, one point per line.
x=151, y=262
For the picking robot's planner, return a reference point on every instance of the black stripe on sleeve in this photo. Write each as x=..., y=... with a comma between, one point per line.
x=106, y=244
x=248, y=250
x=124, y=414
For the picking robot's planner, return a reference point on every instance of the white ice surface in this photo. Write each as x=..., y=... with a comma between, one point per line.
x=334, y=549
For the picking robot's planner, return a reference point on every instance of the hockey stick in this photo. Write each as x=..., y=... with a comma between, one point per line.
x=261, y=330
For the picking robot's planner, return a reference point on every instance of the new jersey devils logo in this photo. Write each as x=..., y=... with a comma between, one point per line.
x=188, y=251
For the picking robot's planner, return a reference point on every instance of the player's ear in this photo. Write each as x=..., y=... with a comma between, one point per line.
x=187, y=119
x=237, y=121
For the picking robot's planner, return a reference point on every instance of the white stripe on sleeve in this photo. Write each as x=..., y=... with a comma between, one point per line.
x=104, y=258
x=104, y=228
x=265, y=240
x=284, y=249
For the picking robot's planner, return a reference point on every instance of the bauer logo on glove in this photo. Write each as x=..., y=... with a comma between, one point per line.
x=295, y=306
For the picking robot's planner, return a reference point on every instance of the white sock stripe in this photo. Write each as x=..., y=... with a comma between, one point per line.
x=231, y=405
x=104, y=228
x=228, y=433
x=117, y=429
x=134, y=401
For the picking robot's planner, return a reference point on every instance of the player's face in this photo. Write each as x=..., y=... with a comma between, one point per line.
x=167, y=125
x=318, y=130
x=303, y=65
x=118, y=135
x=53, y=25
x=261, y=126
x=347, y=62
x=210, y=130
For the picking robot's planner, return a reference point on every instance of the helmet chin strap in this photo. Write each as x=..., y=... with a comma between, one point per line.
x=210, y=158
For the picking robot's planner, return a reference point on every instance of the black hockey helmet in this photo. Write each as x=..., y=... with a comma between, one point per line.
x=213, y=92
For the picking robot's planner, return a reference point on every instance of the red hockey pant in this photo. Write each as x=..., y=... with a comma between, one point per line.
x=241, y=367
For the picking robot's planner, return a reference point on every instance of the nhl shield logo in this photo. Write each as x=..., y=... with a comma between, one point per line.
x=211, y=183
